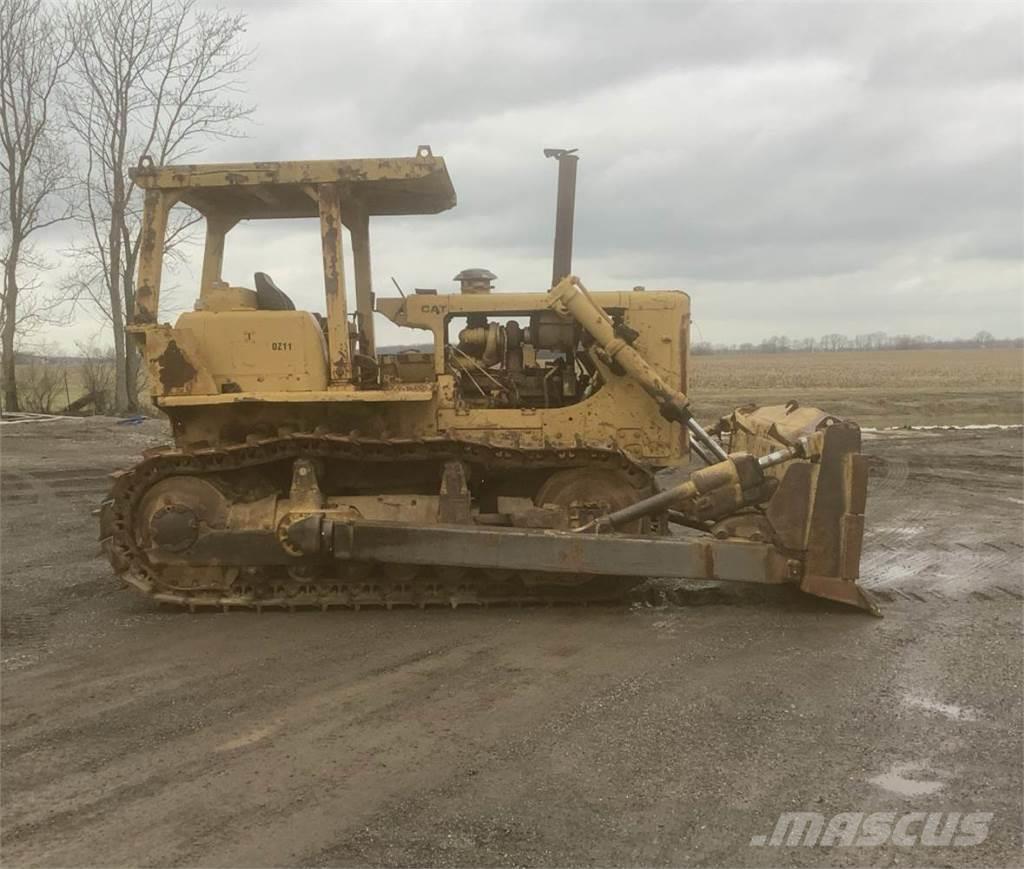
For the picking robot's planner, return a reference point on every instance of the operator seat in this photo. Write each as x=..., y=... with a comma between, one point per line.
x=270, y=297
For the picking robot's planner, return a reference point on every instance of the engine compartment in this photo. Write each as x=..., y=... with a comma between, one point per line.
x=507, y=365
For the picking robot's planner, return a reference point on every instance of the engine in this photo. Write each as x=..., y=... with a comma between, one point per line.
x=508, y=365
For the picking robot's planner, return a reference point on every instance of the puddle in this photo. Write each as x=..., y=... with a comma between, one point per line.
x=246, y=739
x=898, y=530
x=18, y=662
x=949, y=710
x=896, y=781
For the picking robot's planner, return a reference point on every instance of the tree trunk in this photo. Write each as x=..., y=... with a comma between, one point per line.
x=132, y=360
x=9, y=374
x=120, y=391
x=116, y=304
x=131, y=357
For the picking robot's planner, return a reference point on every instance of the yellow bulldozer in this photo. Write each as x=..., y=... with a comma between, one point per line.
x=511, y=458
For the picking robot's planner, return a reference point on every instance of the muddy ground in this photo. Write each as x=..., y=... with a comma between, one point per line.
x=642, y=735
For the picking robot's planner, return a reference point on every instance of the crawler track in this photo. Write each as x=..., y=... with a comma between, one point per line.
x=351, y=585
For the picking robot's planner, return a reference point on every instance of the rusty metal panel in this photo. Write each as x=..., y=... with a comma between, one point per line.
x=217, y=228
x=856, y=483
x=790, y=506
x=176, y=366
x=359, y=226
x=454, y=505
x=851, y=541
x=399, y=396
x=564, y=213
x=339, y=351
x=387, y=185
x=830, y=500
x=736, y=560
x=840, y=590
x=156, y=207
x=761, y=429
x=556, y=551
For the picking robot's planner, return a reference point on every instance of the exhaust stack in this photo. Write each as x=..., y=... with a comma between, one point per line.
x=565, y=211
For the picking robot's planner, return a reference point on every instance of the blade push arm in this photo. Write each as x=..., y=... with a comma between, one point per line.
x=714, y=492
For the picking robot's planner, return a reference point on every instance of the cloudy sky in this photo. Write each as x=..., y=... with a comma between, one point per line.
x=798, y=168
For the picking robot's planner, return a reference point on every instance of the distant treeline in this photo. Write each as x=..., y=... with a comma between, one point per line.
x=775, y=344
x=870, y=341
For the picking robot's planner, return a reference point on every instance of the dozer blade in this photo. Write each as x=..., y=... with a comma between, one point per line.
x=818, y=509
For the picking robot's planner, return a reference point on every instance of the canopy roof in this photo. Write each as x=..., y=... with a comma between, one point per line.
x=383, y=185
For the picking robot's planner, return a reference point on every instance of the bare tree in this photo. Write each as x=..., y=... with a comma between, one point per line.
x=156, y=78
x=775, y=344
x=901, y=342
x=834, y=341
x=34, y=53
x=983, y=338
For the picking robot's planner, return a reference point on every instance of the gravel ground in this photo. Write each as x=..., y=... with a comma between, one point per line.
x=135, y=735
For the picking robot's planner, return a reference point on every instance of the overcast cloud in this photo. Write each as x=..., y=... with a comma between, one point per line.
x=797, y=168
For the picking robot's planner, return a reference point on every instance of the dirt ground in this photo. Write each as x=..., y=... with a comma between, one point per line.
x=633, y=735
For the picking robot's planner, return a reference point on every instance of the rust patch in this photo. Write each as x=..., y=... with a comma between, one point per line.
x=143, y=316
x=175, y=369
x=709, y=561
x=341, y=366
x=330, y=247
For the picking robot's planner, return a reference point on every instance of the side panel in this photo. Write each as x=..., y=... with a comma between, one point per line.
x=259, y=351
